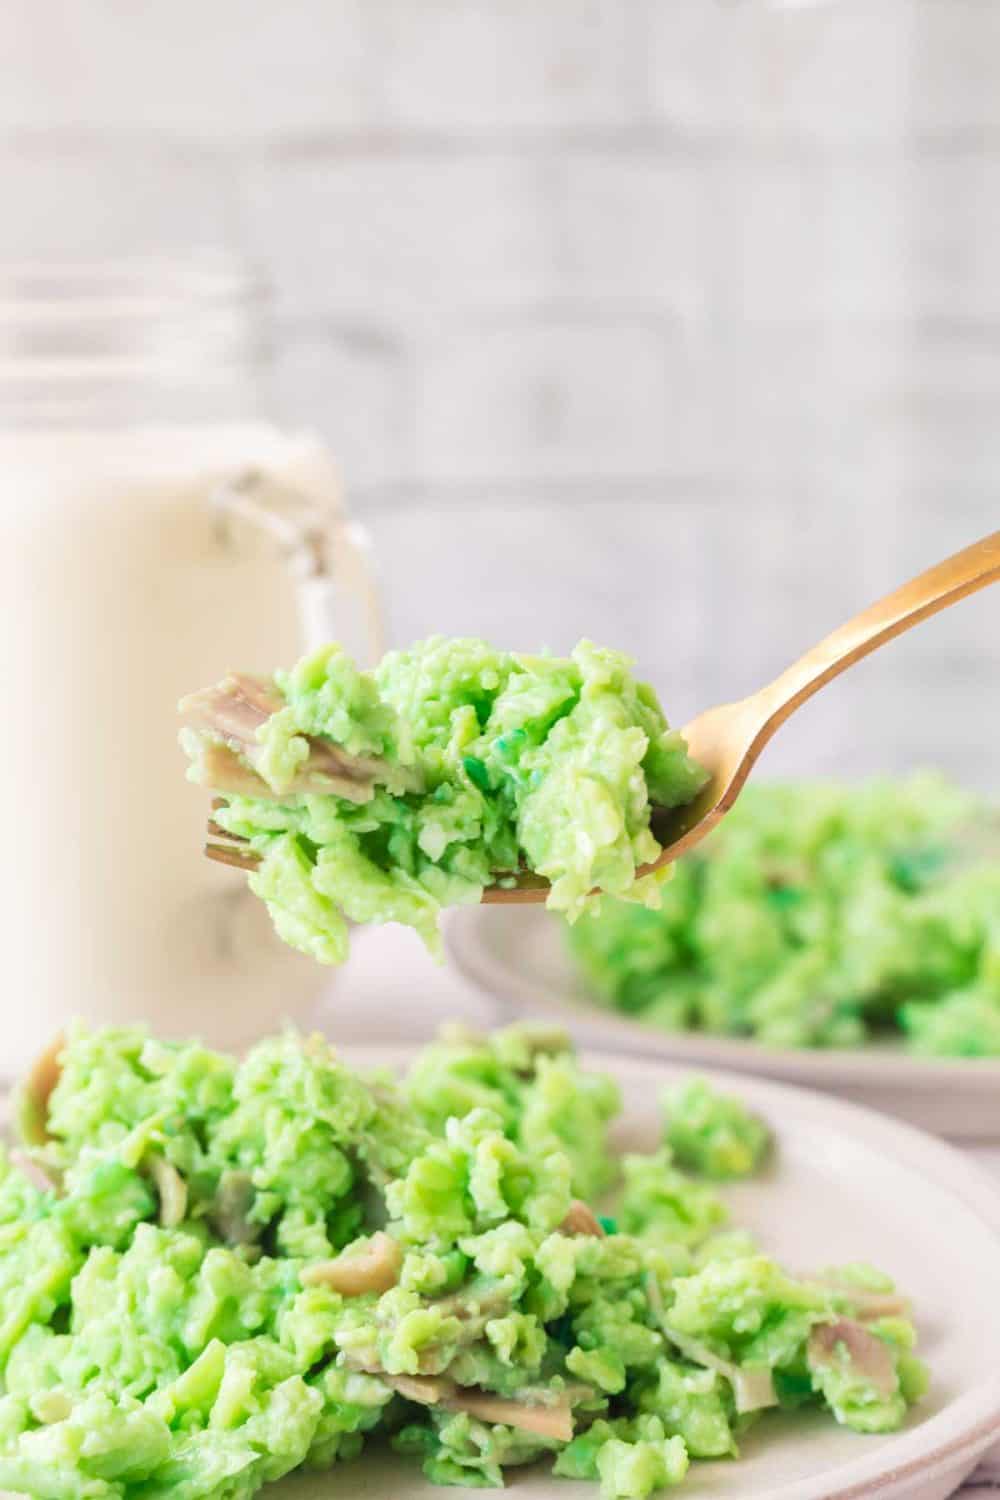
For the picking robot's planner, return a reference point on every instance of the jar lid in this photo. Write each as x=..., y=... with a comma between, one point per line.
x=153, y=337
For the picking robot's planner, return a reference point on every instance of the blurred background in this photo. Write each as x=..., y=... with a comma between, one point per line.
x=671, y=322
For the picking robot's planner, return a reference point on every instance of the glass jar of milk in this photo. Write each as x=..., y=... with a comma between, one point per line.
x=157, y=532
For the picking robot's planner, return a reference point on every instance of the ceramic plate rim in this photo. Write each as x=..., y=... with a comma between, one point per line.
x=969, y=1424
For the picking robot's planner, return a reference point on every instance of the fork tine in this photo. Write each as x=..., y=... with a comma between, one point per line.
x=228, y=854
x=223, y=833
x=233, y=849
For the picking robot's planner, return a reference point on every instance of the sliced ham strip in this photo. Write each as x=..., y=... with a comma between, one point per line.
x=868, y=1305
x=870, y=1358
x=373, y=1268
x=551, y=1419
x=234, y=708
x=328, y=761
x=230, y=715
x=753, y=1388
x=35, y=1173
x=36, y=1091
x=471, y=1311
x=259, y=695
x=230, y=1215
x=223, y=769
x=872, y=1305
x=172, y=1190
x=581, y=1219
x=426, y=1390
x=473, y=1307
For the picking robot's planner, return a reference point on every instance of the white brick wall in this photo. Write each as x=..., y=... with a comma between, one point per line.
x=402, y=239
x=244, y=70
x=831, y=73
x=546, y=395
x=675, y=322
x=503, y=65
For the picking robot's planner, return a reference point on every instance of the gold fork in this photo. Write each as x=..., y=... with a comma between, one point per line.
x=728, y=740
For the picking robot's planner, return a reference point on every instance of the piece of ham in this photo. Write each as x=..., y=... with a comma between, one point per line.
x=223, y=769
x=41, y=1178
x=474, y=1307
x=425, y=1390
x=228, y=717
x=230, y=1213
x=581, y=1219
x=171, y=1189
x=36, y=1090
x=546, y=1420
x=471, y=1309
x=869, y=1357
x=753, y=1386
x=234, y=708
x=373, y=1268
x=544, y=1417
x=868, y=1305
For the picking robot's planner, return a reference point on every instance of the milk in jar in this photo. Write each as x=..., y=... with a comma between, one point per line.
x=126, y=583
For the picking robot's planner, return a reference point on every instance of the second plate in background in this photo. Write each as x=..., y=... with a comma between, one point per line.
x=517, y=955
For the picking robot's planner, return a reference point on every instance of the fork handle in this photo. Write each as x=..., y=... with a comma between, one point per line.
x=962, y=574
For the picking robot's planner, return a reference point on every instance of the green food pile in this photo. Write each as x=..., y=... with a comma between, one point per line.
x=214, y=1272
x=385, y=796
x=819, y=915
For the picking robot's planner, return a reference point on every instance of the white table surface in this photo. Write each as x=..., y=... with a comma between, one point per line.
x=391, y=991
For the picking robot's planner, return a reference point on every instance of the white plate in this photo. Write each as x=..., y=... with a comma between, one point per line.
x=846, y=1184
x=518, y=955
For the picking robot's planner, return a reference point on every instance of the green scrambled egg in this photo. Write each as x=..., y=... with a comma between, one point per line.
x=384, y=796
x=213, y=1273
x=818, y=916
